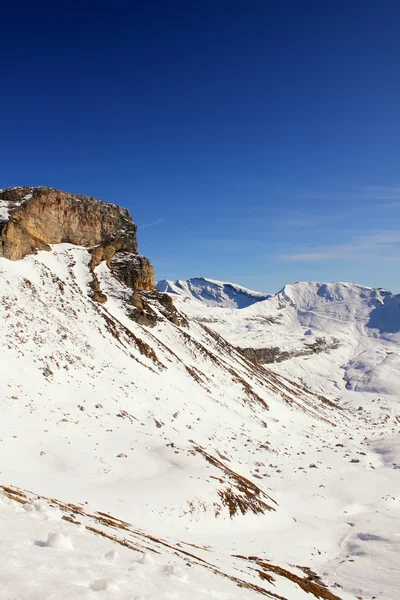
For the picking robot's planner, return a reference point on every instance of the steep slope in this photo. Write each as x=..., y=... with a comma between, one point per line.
x=162, y=438
x=99, y=409
x=211, y=292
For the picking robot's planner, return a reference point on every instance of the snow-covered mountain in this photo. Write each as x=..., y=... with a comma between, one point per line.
x=352, y=329
x=211, y=292
x=144, y=456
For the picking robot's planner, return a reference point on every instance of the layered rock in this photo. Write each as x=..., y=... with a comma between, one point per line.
x=134, y=270
x=142, y=308
x=33, y=218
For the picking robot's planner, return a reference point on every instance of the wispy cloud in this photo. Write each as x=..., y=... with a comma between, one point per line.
x=338, y=206
x=358, y=247
x=381, y=192
x=310, y=220
x=237, y=245
x=369, y=193
x=152, y=224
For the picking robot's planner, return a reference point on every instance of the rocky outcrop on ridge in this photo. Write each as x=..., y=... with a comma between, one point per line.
x=134, y=270
x=274, y=354
x=33, y=219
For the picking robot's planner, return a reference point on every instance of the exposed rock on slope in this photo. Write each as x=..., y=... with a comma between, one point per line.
x=134, y=270
x=273, y=354
x=32, y=219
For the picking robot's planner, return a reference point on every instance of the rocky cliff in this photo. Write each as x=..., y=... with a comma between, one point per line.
x=32, y=219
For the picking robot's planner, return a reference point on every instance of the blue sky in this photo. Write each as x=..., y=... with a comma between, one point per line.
x=253, y=141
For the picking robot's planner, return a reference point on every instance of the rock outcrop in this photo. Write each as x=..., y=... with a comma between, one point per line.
x=142, y=309
x=134, y=270
x=274, y=354
x=33, y=218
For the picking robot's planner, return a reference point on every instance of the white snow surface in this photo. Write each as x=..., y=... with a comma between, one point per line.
x=45, y=557
x=140, y=436
x=365, y=321
x=211, y=292
x=6, y=206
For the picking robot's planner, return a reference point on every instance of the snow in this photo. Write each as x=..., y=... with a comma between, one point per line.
x=74, y=563
x=57, y=540
x=365, y=321
x=193, y=420
x=6, y=206
x=211, y=292
x=3, y=210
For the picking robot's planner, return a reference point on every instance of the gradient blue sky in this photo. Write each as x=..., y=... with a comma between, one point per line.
x=253, y=141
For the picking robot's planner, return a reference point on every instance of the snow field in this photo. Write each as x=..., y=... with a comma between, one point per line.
x=89, y=419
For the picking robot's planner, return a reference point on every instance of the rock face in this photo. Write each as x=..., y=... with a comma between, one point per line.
x=134, y=270
x=142, y=309
x=33, y=218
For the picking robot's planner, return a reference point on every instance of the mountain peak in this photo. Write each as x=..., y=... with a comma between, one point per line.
x=307, y=293
x=212, y=292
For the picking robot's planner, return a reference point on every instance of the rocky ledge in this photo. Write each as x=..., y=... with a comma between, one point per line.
x=33, y=219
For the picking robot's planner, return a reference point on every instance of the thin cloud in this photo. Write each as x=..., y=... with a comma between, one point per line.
x=309, y=220
x=357, y=248
x=152, y=224
x=383, y=192
x=376, y=198
x=370, y=193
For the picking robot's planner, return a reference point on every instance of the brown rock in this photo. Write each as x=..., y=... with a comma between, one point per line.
x=42, y=216
x=32, y=219
x=97, y=294
x=141, y=311
x=134, y=270
x=144, y=313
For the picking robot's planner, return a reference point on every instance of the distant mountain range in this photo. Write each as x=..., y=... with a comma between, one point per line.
x=212, y=292
x=355, y=327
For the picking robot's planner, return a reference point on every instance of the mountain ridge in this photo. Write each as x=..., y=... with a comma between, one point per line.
x=212, y=292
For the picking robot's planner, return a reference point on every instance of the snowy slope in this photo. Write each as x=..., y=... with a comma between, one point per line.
x=357, y=366
x=168, y=441
x=361, y=325
x=211, y=292
x=63, y=559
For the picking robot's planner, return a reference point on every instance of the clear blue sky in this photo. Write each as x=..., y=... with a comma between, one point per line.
x=253, y=141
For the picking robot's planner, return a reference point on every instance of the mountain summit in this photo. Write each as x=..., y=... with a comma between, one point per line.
x=211, y=292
